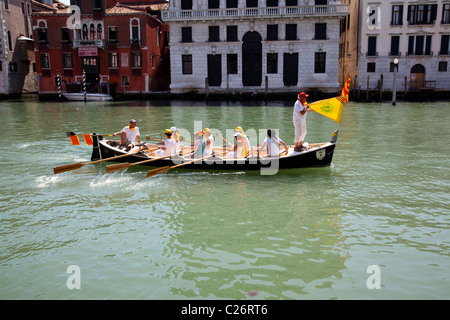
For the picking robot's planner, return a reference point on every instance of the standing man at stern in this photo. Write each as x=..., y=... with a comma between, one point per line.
x=299, y=119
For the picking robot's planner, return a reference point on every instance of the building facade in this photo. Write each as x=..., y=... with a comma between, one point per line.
x=17, y=60
x=239, y=45
x=120, y=48
x=412, y=36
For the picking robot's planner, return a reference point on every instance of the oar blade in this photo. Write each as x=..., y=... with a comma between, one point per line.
x=154, y=172
x=68, y=167
x=88, y=139
x=117, y=167
x=75, y=140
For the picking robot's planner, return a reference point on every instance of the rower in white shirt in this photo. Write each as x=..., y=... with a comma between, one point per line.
x=169, y=146
x=209, y=140
x=128, y=136
x=271, y=144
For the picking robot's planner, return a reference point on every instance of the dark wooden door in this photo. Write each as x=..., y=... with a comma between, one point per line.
x=214, y=70
x=290, y=69
x=252, y=59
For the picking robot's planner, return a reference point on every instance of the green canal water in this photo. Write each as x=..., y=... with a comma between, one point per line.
x=374, y=225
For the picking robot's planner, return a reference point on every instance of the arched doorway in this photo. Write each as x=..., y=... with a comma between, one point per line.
x=252, y=59
x=417, y=76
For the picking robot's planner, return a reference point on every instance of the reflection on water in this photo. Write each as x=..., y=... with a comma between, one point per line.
x=187, y=234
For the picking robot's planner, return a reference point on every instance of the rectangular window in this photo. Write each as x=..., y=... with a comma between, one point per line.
x=67, y=61
x=6, y=4
x=136, y=59
x=272, y=3
x=392, y=67
x=444, y=44
x=320, y=31
x=186, y=34
x=232, y=3
x=272, y=32
x=186, y=60
x=112, y=34
x=186, y=4
x=22, y=4
x=291, y=3
x=411, y=45
x=232, y=33
x=397, y=15
x=446, y=14
x=134, y=33
x=291, y=32
x=319, y=62
x=42, y=35
x=125, y=81
x=442, y=66
x=419, y=45
x=422, y=14
x=232, y=64
x=272, y=63
x=213, y=34
x=45, y=62
x=395, y=45
x=113, y=60
x=213, y=4
x=371, y=67
x=372, y=46
x=428, y=45
x=65, y=35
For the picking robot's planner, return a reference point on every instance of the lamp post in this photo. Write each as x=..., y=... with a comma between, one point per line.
x=394, y=87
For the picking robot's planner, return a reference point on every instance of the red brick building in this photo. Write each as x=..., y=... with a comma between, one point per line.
x=121, y=47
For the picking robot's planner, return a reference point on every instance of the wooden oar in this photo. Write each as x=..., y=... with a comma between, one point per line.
x=156, y=171
x=70, y=133
x=74, y=166
x=150, y=138
x=121, y=166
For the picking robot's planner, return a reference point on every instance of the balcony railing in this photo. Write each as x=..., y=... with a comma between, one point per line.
x=232, y=13
x=89, y=43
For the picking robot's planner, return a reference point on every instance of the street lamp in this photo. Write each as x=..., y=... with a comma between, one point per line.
x=394, y=87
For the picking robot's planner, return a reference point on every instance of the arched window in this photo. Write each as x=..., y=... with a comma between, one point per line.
x=135, y=30
x=418, y=68
x=92, y=31
x=99, y=31
x=85, y=32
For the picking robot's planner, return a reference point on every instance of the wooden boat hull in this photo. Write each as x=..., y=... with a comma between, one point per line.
x=318, y=155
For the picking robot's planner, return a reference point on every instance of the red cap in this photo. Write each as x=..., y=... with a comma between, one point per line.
x=303, y=95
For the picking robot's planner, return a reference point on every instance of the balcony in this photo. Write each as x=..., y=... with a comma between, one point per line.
x=267, y=12
x=100, y=43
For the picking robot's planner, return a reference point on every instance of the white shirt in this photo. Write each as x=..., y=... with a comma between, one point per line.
x=131, y=134
x=169, y=144
x=208, y=149
x=273, y=146
x=297, y=108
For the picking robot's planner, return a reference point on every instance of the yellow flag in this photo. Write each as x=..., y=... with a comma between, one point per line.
x=331, y=108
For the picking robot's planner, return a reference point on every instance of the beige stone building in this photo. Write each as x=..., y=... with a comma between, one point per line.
x=412, y=35
x=254, y=45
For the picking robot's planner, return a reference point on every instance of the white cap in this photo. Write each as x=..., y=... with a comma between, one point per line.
x=173, y=129
x=238, y=135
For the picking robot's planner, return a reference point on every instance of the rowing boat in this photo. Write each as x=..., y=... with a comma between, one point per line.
x=314, y=155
